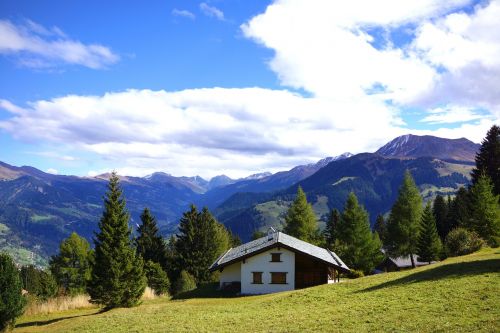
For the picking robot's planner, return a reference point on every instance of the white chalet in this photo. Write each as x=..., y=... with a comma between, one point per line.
x=277, y=262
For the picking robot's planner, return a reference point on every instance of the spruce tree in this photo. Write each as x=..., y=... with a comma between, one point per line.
x=488, y=159
x=71, y=267
x=200, y=241
x=358, y=247
x=12, y=301
x=157, y=278
x=117, y=278
x=429, y=245
x=150, y=244
x=404, y=220
x=459, y=212
x=331, y=225
x=440, y=211
x=485, y=219
x=300, y=221
x=381, y=227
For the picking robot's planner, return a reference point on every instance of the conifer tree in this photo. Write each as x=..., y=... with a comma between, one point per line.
x=200, y=241
x=331, y=225
x=157, y=278
x=150, y=244
x=11, y=300
x=358, y=247
x=117, y=278
x=429, y=244
x=459, y=211
x=488, y=159
x=381, y=227
x=440, y=211
x=300, y=221
x=404, y=220
x=485, y=219
x=71, y=267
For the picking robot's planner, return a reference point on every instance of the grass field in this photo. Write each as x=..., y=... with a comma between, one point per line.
x=458, y=295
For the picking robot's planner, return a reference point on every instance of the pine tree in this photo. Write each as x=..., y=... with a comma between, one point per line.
x=440, y=211
x=485, y=219
x=200, y=241
x=11, y=300
x=38, y=282
x=150, y=244
x=404, y=220
x=358, y=247
x=429, y=245
x=488, y=159
x=300, y=219
x=117, y=278
x=381, y=227
x=331, y=225
x=459, y=210
x=71, y=267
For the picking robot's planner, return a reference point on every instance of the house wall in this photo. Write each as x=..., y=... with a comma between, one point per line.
x=231, y=273
x=262, y=263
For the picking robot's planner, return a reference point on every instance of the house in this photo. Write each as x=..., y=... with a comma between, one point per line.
x=391, y=264
x=277, y=262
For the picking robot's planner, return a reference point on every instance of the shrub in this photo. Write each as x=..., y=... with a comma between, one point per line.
x=354, y=274
x=11, y=300
x=185, y=282
x=461, y=241
x=157, y=278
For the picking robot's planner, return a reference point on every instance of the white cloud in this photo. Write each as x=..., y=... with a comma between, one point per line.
x=452, y=114
x=212, y=11
x=52, y=171
x=37, y=46
x=183, y=13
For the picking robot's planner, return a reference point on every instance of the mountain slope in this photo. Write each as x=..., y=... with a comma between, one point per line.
x=430, y=146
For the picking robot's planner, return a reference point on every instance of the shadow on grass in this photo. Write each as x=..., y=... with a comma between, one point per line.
x=441, y=272
x=209, y=290
x=55, y=320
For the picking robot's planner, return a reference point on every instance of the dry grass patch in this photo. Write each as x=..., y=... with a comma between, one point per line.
x=56, y=304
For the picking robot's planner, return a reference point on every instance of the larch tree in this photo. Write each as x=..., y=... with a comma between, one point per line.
x=404, y=220
x=429, y=246
x=485, y=217
x=71, y=267
x=488, y=159
x=117, y=278
x=358, y=247
x=149, y=243
x=300, y=220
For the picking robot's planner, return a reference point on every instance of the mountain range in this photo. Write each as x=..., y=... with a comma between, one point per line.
x=38, y=210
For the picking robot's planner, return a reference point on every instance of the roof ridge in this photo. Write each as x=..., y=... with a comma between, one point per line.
x=333, y=256
x=222, y=256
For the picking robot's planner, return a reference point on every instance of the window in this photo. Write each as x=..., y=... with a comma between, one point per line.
x=257, y=277
x=275, y=257
x=278, y=277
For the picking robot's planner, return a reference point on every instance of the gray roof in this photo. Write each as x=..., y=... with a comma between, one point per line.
x=276, y=239
x=403, y=262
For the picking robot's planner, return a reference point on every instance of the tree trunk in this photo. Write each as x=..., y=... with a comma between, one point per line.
x=412, y=260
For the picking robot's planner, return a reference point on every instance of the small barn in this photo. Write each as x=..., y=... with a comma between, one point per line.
x=391, y=264
x=277, y=262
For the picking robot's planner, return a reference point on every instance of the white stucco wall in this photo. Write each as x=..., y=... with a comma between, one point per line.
x=231, y=273
x=261, y=263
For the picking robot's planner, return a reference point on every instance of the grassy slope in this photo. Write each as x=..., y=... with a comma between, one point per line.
x=459, y=295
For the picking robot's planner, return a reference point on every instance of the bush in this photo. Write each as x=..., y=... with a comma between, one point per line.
x=11, y=300
x=157, y=278
x=38, y=282
x=185, y=282
x=354, y=274
x=461, y=241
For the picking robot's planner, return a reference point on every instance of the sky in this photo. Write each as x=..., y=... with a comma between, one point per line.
x=238, y=87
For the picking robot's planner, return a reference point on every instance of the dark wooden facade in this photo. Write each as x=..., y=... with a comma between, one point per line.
x=309, y=271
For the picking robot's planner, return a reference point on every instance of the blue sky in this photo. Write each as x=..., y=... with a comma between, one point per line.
x=235, y=86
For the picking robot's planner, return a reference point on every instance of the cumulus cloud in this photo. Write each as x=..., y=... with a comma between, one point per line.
x=212, y=11
x=52, y=171
x=34, y=45
x=452, y=114
x=183, y=13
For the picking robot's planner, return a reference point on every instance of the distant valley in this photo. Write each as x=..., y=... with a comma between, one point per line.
x=37, y=209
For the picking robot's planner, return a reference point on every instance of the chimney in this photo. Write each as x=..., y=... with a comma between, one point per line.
x=270, y=233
